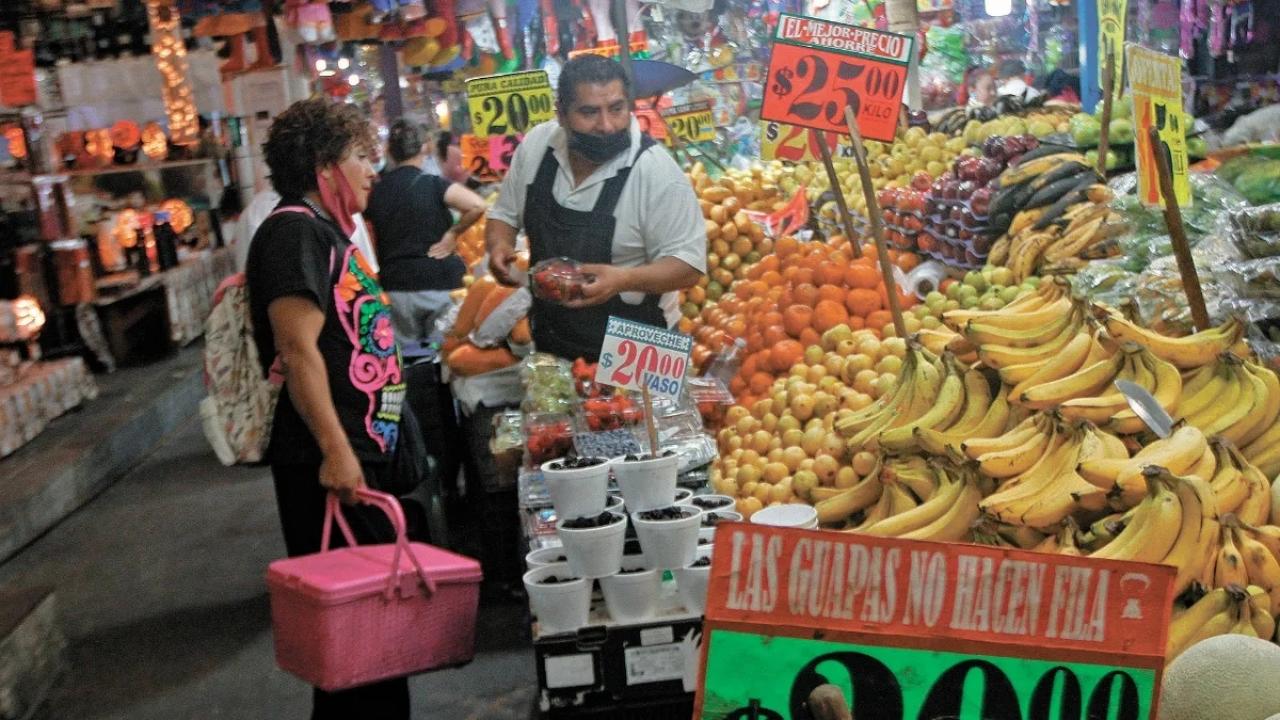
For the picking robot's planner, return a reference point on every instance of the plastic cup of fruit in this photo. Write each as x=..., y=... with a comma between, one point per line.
x=593, y=545
x=668, y=535
x=707, y=503
x=543, y=557
x=691, y=582
x=791, y=515
x=560, y=600
x=711, y=519
x=647, y=484
x=577, y=491
x=632, y=594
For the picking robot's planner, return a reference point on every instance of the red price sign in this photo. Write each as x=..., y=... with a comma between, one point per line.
x=818, y=68
x=501, y=149
x=475, y=158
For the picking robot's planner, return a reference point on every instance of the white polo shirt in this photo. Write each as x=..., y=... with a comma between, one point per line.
x=657, y=215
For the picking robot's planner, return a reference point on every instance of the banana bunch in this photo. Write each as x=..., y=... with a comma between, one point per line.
x=1050, y=489
x=1064, y=541
x=1237, y=399
x=1235, y=609
x=928, y=390
x=834, y=505
x=908, y=481
x=1243, y=559
x=1049, y=291
x=1185, y=452
x=943, y=339
x=946, y=516
x=1087, y=394
x=1238, y=486
x=984, y=416
x=987, y=530
x=1189, y=352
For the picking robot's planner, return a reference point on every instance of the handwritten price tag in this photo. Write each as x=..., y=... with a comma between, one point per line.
x=509, y=104
x=691, y=123
x=647, y=117
x=818, y=68
x=475, y=158
x=1155, y=80
x=797, y=144
x=635, y=355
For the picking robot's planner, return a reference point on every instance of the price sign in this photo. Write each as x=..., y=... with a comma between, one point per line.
x=1155, y=80
x=635, y=355
x=501, y=149
x=638, y=44
x=1112, y=15
x=913, y=630
x=17, y=73
x=647, y=117
x=793, y=143
x=475, y=158
x=509, y=104
x=691, y=123
x=818, y=68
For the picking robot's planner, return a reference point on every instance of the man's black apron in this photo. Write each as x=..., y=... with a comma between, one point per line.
x=557, y=231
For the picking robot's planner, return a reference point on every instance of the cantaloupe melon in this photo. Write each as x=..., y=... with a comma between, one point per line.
x=1228, y=676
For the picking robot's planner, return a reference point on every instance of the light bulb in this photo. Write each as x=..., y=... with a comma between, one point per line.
x=998, y=8
x=353, y=80
x=320, y=65
x=343, y=63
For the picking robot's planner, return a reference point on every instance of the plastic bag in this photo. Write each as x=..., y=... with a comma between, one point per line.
x=1256, y=230
x=494, y=329
x=1260, y=183
x=558, y=280
x=1255, y=279
x=548, y=384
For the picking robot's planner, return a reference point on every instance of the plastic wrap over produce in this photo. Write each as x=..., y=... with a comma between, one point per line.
x=1212, y=199
x=1256, y=230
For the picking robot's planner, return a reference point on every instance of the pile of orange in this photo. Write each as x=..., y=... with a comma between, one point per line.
x=786, y=301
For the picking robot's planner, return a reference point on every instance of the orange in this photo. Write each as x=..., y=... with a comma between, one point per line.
x=834, y=293
x=908, y=261
x=809, y=336
x=861, y=276
x=856, y=323
x=829, y=273
x=701, y=354
x=878, y=319
x=785, y=354
x=774, y=334
x=772, y=317
x=738, y=386
x=803, y=275
x=805, y=294
x=773, y=278
x=736, y=327
x=685, y=325
x=796, y=318
x=827, y=314
x=862, y=301
x=760, y=383
x=785, y=246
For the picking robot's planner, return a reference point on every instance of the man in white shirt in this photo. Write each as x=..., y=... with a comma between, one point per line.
x=590, y=186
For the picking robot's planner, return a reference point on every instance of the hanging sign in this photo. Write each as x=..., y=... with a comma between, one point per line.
x=1112, y=15
x=509, y=104
x=1155, y=80
x=17, y=73
x=693, y=122
x=914, y=630
x=647, y=117
x=634, y=356
x=817, y=68
x=638, y=44
x=793, y=143
x=475, y=158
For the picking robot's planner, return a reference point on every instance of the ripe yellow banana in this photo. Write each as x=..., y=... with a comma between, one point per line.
x=1061, y=365
x=949, y=493
x=862, y=495
x=1165, y=387
x=1020, y=433
x=1082, y=383
x=1243, y=415
x=1264, y=620
x=1272, y=410
x=1154, y=529
x=946, y=408
x=1029, y=330
x=1229, y=566
x=1199, y=531
x=1048, y=292
x=953, y=524
x=1211, y=615
x=1021, y=458
x=1262, y=566
x=990, y=425
x=1101, y=408
x=1185, y=352
x=1178, y=452
x=999, y=356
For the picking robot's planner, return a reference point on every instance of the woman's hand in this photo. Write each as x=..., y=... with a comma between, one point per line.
x=445, y=247
x=341, y=473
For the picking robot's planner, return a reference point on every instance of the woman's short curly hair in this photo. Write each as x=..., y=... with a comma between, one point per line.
x=309, y=135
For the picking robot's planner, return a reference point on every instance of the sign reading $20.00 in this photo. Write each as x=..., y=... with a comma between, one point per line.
x=509, y=104
x=636, y=356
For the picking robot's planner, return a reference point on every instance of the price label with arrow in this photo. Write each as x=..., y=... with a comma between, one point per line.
x=818, y=68
x=1155, y=80
x=509, y=104
x=693, y=122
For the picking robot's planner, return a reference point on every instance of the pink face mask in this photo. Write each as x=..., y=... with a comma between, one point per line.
x=339, y=202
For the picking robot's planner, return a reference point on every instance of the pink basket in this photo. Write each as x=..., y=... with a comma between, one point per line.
x=360, y=614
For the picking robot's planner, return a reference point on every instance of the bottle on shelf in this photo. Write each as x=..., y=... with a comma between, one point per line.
x=726, y=363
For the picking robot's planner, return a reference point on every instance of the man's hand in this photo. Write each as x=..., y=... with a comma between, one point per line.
x=444, y=247
x=501, y=261
x=609, y=281
x=340, y=472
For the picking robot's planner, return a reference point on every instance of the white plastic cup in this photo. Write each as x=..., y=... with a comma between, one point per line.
x=683, y=495
x=791, y=515
x=711, y=503
x=543, y=557
x=669, y=544
x=594, y=552
x=632, y=597
x=691, y=584
x=562, y=607
x=615, y=503
x=577, y=493
x=647, y=484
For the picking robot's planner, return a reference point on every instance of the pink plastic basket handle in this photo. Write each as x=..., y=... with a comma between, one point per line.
x=391, y=506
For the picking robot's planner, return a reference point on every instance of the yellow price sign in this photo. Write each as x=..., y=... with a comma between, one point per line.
x=1155, y=79
x=691, y=123
x=1112, y=15
x=509, y=104
x=792, y=143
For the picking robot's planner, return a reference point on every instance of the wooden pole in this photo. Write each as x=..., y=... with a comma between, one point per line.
x=648, y=420
x=1178, y=234
x=1108, y=98
x=846, y=218
x=877, y=225
x=618, y=14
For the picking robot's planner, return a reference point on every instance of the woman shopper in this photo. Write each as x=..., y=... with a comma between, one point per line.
x=319, y=312
x=417, y=237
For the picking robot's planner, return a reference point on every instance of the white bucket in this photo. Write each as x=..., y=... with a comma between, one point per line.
x=790, y=515
x=577, y=493
x=669, y=543
x=708, y=503
x=632, y=597
x=543, y=557
x=709, y=531
x=560, y=607
x=647, y=484
x=594, y=552
x=691, y=584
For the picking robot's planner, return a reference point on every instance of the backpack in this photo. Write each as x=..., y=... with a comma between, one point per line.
x=237, y=413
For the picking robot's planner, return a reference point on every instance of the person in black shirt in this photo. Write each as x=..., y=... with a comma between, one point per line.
x=321, y=319
x=416, y=235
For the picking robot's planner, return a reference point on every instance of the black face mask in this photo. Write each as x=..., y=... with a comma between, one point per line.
x=599, y=149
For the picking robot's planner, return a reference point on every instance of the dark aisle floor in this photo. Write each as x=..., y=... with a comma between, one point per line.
x=161, y=594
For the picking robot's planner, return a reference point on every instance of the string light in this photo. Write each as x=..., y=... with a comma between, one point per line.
x=343, y=64
x=170, y=53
